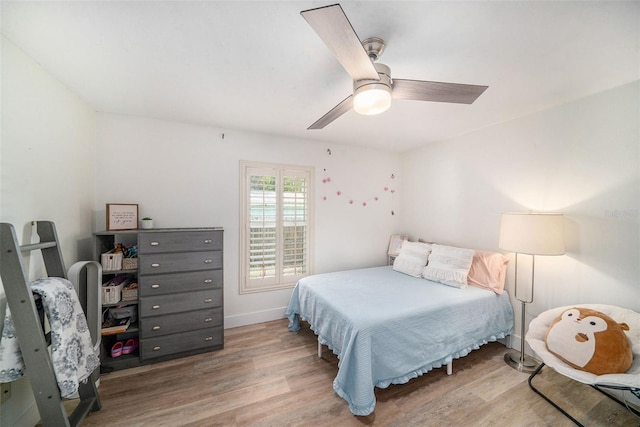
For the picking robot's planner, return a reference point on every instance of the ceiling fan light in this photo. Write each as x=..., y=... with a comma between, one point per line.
x=374, y=98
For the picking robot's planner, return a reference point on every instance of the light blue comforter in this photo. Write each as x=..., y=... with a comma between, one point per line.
x=387, y=327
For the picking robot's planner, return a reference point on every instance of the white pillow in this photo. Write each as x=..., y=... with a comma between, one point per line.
x=412, y=258
x=449, y=265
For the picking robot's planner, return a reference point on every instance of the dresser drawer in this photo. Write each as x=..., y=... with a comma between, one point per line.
x=179, y=241
x=180, y=261
x=172, y=323
x=160, y=284
x=177, y=343
x=177, y=303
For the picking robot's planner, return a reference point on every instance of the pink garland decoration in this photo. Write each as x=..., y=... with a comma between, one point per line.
x=363, y=202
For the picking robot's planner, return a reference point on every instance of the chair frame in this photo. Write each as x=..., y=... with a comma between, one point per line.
x=599, y=387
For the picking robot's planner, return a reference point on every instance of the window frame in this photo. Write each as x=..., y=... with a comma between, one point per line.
x=280, y=280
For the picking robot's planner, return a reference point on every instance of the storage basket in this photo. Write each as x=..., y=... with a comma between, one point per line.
x=111, y=261
x=112, y=294
x=129, y=263
x=130, y=292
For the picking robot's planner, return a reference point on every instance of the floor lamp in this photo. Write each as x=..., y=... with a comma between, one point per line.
x=532, y=234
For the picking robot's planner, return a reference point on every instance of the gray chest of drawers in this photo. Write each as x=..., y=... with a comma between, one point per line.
x=180, y=283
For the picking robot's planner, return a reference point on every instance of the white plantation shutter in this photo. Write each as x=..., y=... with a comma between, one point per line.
x=276, y=232
x=262, y=225
x=295, y=224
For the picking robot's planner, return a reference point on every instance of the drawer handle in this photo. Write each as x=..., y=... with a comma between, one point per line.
x=208, y=338
x=155, y=265
x=208, y=319
x=208, y=261
x=207, y=300
x=155, y=307
x=208, y=280
x=154, y=244
x=156, y=328
x=156, y=348
x=155, y=286
x=208, y=241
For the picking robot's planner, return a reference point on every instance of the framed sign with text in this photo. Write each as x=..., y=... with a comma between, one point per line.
x=122, y=216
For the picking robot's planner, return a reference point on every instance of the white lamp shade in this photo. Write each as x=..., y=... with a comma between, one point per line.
x=532, y=233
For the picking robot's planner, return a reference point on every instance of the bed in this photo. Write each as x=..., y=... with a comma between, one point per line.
x=387, y=327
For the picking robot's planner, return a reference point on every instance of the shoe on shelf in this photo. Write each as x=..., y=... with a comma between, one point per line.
x=130, y=346
x=116, y=350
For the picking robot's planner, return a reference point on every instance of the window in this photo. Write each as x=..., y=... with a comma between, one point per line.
x=276, y=225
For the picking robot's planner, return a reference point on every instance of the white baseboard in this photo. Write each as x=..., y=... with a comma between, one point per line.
x=514, y=342
x=253, y=318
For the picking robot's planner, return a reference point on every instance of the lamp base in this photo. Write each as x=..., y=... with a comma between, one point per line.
x=527, y=364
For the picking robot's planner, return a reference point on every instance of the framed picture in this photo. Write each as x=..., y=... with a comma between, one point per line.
x=122, y=216
x=395, y=242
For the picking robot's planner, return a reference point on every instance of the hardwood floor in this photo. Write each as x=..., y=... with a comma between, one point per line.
x=268, y=376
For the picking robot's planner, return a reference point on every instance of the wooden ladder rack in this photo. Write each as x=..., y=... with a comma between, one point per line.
x=33, y=343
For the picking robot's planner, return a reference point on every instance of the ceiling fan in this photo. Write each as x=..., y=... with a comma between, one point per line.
x=373, y=86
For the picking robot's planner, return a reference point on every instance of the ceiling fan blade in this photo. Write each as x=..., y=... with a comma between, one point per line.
x=335, y=30
x=436, y=91
x=334, y=113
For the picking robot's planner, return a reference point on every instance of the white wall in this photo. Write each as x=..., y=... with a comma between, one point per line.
x=582, y=159
x=47, y=168
x=188, y=176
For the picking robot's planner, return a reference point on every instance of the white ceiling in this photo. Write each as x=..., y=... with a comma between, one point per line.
x=258, y=65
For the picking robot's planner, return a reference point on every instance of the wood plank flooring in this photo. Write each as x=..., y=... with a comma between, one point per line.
x=268, y=376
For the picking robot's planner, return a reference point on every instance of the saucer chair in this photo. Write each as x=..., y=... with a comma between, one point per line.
x=629, y=381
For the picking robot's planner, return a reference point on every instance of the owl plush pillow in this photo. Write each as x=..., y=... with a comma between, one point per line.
x=590, y=341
